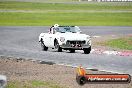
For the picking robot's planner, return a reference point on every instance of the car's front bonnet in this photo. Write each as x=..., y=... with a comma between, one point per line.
x=73, y=36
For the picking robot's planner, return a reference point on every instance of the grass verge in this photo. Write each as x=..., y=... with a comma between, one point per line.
x=121, y=43
x=32, y=84
x=81, y=19
x=46, y=14
x=95, y=6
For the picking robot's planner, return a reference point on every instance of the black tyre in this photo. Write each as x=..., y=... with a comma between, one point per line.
x=81, y=80
x=44, y=48
x=57, y=46
x=87, y=50
x=72, y=50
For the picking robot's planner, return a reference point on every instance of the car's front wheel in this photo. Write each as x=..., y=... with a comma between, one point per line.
x=87, y=50
x=57, y=46
x=44, y=48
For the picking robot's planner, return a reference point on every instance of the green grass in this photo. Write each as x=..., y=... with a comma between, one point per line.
x=32, y=84
x=61, y=6
x=45, y=1
x=45, y=19
x=122, y=43
x=46, y=14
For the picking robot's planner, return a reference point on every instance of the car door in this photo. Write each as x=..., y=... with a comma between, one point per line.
x=52, y=36
x=46, y=39
x=50, y=39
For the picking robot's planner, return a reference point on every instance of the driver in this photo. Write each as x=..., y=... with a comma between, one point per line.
x=52, y=29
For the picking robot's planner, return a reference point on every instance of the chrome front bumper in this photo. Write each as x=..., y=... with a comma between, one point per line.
x=77, y=46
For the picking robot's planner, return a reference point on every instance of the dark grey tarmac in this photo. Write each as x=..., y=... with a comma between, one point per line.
x=22, y=41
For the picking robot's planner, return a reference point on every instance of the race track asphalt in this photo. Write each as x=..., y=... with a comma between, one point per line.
x=22, y=41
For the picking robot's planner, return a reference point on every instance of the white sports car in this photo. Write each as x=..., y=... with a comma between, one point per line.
x=65, y=37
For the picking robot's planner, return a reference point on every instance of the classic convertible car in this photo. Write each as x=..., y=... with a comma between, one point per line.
x=66, y=38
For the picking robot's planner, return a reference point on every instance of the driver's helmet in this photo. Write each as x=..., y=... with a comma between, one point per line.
x=56, y=25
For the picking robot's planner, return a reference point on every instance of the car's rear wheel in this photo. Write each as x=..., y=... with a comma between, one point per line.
x=57, y=46
x=72, y=50
x=44, y=48
x=87, y=50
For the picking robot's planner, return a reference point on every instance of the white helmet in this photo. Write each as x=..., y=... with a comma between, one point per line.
x=56, y=25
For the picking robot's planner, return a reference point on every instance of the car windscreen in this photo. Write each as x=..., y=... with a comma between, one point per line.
x=67, y=29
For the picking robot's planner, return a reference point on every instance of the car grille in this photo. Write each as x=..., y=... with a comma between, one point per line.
x=75, y=42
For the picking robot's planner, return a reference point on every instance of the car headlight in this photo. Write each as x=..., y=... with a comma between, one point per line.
x=62, y=39
x=88, y=40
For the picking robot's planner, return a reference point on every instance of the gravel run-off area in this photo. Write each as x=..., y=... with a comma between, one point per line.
x=20, y=69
